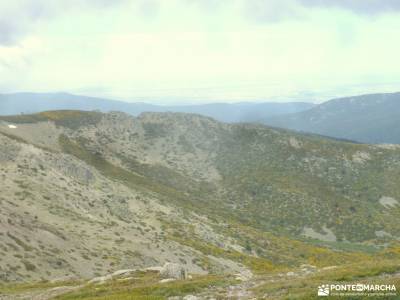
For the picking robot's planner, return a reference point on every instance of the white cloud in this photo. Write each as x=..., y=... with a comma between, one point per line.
x=234, y=50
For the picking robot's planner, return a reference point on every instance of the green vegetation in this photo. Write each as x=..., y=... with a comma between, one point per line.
x=154, y=130
x=134, y=180
x=17, y=288
x=146, y=285
x=223, y=197
x=257, y=265
x=274, y=186
x=281, y=188
x=72, y=119
x=370, y=272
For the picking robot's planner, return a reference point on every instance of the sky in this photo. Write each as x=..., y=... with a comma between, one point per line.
x=196, y=51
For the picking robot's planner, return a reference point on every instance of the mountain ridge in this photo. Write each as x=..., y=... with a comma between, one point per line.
x=11, y=104
x=370, y=118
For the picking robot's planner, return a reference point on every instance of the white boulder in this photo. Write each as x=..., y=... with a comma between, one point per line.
x=172, y=270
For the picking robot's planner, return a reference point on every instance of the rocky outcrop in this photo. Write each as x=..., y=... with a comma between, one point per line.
x=172, y=270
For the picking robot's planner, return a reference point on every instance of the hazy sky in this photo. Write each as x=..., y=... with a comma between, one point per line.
x=201, y=50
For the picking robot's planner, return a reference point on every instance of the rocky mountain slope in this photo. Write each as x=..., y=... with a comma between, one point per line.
x=13, y=104
x=85, y=194
x=370, y=118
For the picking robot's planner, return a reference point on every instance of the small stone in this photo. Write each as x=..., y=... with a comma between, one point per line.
x=167, y=280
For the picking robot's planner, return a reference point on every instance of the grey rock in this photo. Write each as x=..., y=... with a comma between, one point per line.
x=172, y=270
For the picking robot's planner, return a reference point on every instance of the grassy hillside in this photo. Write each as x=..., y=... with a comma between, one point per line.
x=105, y=192
x=271, y=179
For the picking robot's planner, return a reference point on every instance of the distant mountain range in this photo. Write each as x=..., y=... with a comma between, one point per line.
x=11, y=104
x=373, y=118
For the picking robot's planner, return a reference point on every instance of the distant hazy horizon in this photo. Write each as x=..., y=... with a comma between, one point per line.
x=172, y=101
x=182, y=101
